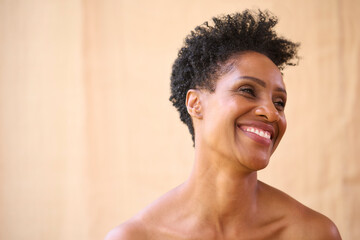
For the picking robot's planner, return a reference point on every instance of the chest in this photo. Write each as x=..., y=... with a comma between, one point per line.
x=268, y=232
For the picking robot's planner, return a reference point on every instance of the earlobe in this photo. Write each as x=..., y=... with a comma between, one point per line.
x=193, y=103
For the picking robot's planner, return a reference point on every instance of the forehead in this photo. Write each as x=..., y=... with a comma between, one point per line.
x=252, y=64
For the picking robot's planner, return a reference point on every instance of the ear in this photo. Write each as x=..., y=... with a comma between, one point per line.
x=193, y=103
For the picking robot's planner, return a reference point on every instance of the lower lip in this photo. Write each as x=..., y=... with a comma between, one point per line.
x=257, y=138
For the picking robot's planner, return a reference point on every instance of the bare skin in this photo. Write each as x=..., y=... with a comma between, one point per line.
x=223, y=199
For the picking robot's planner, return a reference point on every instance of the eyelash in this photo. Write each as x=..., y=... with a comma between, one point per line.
x=280, y=105
x=248, y=90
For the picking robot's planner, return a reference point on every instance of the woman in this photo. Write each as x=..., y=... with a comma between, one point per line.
x=227, y=85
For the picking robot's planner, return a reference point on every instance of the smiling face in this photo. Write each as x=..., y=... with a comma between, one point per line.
x=243, y=121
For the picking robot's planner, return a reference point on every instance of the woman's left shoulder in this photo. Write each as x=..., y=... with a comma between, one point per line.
x=309, y=224
x=318, y=225
x=302, y=221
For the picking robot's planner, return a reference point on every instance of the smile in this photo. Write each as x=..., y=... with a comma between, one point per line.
x=259, y=132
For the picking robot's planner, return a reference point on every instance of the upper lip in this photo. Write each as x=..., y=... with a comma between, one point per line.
x=260, y=125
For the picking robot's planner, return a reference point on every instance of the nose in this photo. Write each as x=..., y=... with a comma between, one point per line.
x=268, y=111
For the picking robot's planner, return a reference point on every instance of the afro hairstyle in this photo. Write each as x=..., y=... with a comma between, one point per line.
x=207, y=48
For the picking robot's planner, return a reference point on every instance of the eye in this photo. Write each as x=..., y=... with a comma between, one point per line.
x=280, y=105
x=247, y=90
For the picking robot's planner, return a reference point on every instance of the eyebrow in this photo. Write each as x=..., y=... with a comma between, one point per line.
x=261, y=83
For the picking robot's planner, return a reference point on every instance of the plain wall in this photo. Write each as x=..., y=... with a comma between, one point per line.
x=88, y=136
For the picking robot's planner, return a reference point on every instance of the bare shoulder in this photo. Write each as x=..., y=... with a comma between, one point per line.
x=313, y=225
x=302, y=222
x=130, y=230
x=148, y=223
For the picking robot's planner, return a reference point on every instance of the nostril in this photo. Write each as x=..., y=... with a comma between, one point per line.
x=270, y=113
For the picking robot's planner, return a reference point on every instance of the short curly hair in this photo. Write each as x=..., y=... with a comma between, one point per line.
x=207, y=48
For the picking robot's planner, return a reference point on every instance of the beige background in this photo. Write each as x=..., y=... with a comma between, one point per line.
x=88, y=136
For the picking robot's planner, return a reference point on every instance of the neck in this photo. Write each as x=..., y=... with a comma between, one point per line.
x=218, y=192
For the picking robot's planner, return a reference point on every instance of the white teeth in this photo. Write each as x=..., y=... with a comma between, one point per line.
x=261, y=133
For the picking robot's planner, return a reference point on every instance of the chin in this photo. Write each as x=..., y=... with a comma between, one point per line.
x=258, y=164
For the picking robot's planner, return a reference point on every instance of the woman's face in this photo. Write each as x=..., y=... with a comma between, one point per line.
x=244, y=120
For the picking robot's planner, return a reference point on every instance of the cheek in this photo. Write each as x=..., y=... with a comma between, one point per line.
x=284, y=123
x=282, y=127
